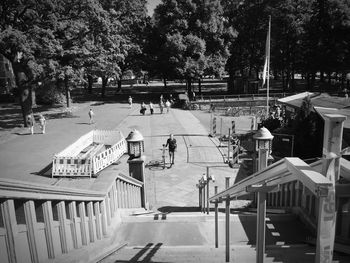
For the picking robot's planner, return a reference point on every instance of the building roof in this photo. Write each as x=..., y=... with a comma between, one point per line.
x=296, y=98
x=318, y=100
x=346, y=112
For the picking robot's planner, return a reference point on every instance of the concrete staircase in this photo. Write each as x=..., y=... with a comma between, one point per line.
x=189, y=237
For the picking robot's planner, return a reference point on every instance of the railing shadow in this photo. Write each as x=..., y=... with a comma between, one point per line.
x=156, y=165
x=149, y=251
x=178, y=209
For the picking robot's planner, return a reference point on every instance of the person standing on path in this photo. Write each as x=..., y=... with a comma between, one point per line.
x=143, y=108
x=167, y=105
x=172, y=148
x=161, y=107
x=91, y=116
x=30, y=122
x=42, y=123
x=130, y=102
x=151, y=107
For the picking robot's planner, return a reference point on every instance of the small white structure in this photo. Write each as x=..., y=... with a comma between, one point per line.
x=90, y=154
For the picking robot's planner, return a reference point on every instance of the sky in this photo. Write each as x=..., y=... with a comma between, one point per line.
x=151, y=5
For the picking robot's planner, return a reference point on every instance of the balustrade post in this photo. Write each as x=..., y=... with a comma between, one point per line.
x=227, y=210
x=291, y=194
x=10, y=223
x=281, y=196
x=73, y=213
x=30, y=216
x=108, y=210
x=129, y=195
x=260, y=239
x=48, y=222
x=286, y=195
x=62, y=221
x=84, y=230
x=119, y=194
x=98, y=219
x=90, y=212
x=115, y=197
x=216, y=220
x=103, y=207
x=126, y=195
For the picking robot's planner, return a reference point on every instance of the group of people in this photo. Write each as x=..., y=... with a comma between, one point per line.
x=162, y=104
x=31, y=123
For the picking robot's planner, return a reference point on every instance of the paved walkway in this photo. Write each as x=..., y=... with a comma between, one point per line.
x=24, y=156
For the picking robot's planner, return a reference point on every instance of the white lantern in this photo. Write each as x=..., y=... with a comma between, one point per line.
x=135, y=142
x=263, y=139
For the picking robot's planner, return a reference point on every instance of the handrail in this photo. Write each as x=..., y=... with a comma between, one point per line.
x=17, y=189
x=284, y=171
x=129, y=179
x=11, y=188
x=238, y=96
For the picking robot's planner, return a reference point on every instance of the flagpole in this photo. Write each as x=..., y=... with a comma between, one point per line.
x=268, y=68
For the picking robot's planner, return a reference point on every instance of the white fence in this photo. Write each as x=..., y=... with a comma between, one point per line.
x=69, y=163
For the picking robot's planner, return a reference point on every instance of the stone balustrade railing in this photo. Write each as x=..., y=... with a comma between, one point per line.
x=41, y=222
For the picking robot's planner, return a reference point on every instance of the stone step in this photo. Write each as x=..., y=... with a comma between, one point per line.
x=157, y=252
x=198, y=230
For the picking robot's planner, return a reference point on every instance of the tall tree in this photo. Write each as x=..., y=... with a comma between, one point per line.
x=27, y=40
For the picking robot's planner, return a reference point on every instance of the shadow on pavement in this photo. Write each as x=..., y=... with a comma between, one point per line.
x=175, y=209
x=147, y=250
x=46, y=171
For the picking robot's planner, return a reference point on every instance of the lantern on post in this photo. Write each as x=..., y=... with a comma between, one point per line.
x=136, y=161
x=263, y=143
x=135, y=142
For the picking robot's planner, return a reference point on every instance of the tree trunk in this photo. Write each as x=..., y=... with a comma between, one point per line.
x=104, y=84
x=189, y=87
x=119, y=85
x=90, y=83
x=313, y=77
x=200, y=86
x=321, y=76
x=24, y=94
x=231, y=82
x=66, y=88
x=165, y=84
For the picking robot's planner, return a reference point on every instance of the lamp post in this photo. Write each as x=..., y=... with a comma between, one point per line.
x=263, y=141
x=135, y=142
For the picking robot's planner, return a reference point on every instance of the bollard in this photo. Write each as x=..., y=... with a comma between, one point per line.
x=208, y=189
x=220, y=126
x=229, y=146
x=227, y=222
x=233, y=127
x=216, y=221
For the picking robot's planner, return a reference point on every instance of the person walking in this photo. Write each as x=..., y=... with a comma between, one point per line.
x=30, y=122
x=42, y=123
x=167, y=105
x=91, y=116
x=161, y=107
x=171, y=143
x=143, y=108
x=151, y=107
x=130, y=102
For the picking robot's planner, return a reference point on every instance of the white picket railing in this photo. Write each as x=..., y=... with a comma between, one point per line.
x=69, y=163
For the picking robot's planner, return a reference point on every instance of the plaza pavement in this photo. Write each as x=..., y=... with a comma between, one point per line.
x=25, y=157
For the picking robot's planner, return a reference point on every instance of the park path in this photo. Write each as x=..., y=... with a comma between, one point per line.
x=170, y=189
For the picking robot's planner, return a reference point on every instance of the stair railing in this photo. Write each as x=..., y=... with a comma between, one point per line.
x=40, y=222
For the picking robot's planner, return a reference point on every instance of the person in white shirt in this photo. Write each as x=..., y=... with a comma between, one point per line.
x=167, y=105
